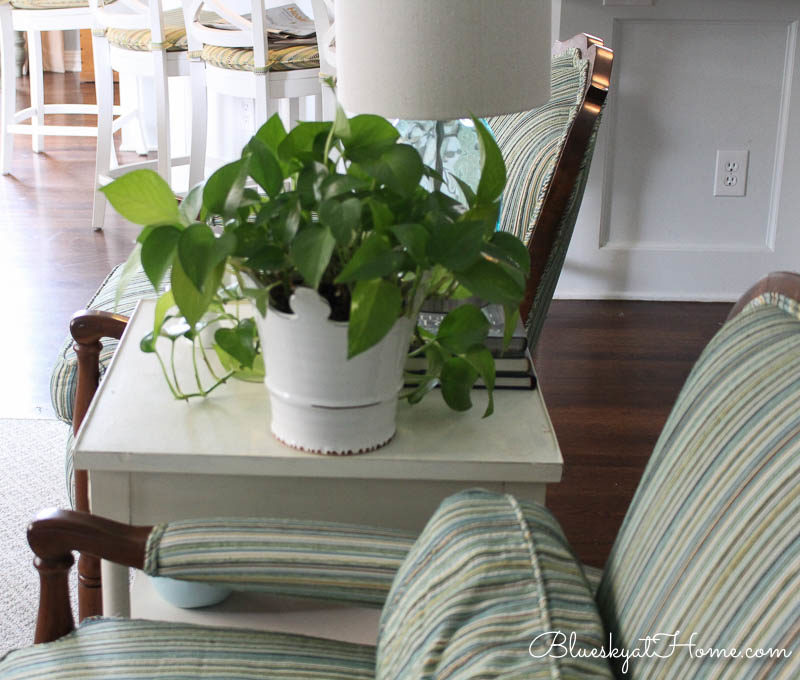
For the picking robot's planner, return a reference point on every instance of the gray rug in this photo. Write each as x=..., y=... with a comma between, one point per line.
x=32, y=473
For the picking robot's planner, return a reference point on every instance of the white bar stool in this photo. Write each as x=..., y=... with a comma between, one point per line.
x=33, y=17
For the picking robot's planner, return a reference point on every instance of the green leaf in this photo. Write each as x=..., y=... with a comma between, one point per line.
x=309, y=184
x=373, y=259
x=128, y=270
x=414, y=238
x=191, y=302
x=272, y=133
x=466, y=189
x=493, y=169
x=142, y=197
x=268, y=258
x=229, y=363
x=456, y=245
x=457, y=377
x=382, y=215
x=374, y=309
x=190, y=206
x=158, y=251
x=239, y=342
x=399, y=168
x=299, y=143
x=264, y=167
x=286, y=225
x=224, y=188
x=311, y=251
x=342, y=217
x=336, y=185
x=462, y=329
x=148, y=343
x=200, y=252
x=341, y=124
x=511, y=315
x=370, y=136
x=166, y=301
x=508, y=248
x=482, y=361
x=492, y=282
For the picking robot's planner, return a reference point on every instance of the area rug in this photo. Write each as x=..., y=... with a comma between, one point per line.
x=32, y=474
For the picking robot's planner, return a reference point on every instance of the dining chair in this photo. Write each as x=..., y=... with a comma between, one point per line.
x=136, y=38
x=707, y=556
x=232, y=57
x=33, y=17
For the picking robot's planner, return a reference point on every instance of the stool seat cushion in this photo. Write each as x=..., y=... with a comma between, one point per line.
x=291, y=58
x=139, y=38
x=48, y=4
x=125, y=649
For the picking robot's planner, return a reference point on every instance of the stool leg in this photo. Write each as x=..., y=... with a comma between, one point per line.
x=8, y=87
x=294, y=111
x=104, y=89
x=37, y=86
x=161, y=83
x=197, y=158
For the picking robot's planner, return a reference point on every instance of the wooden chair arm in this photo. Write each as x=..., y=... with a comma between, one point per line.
x=784, y=283
x=53, y=535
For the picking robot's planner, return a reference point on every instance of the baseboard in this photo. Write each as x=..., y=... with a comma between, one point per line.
x=72, y=61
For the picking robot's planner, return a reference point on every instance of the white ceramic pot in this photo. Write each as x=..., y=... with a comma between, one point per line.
x=322, y=401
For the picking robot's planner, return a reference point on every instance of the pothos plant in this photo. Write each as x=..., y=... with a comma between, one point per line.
x=337, y=207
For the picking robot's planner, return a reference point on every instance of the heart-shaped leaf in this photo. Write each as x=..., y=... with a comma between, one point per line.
x=462, y=329
x=199, y=252
x=311, y=251
x=158, y=251
x=142, y=197
x=458, y=376
x=374, y=308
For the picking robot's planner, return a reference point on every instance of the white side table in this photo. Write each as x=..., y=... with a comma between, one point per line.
x=154, y=459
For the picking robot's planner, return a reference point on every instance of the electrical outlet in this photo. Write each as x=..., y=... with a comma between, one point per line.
x=730, y=178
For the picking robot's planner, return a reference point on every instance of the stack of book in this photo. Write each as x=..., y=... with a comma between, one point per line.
x=514, y=367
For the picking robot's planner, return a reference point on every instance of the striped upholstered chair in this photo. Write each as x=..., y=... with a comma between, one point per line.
x=709, y=554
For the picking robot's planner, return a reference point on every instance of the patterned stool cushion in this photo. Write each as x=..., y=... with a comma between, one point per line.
x=48, y=4
x=139, y=39
x=284, y=59
x=65, y=373
x=485, y=578
x=131, y=649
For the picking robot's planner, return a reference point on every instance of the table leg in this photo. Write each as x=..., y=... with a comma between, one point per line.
x=109, y=496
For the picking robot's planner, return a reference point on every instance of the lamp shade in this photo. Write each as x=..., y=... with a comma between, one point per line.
x=442, y=59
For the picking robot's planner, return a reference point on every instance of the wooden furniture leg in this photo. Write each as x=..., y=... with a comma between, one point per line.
x=87, y=327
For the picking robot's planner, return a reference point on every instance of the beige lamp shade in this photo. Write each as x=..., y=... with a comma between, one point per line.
x=442, y=59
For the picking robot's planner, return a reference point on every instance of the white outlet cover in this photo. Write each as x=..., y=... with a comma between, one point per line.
x=730, y=175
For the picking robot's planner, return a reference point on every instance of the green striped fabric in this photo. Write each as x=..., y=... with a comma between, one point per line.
x=486, y=577
x=711, y=542
x=139, y=39
x=281, y=556
x=106, y=649
x=531, y=142
x=290, y=58
x=65, y=373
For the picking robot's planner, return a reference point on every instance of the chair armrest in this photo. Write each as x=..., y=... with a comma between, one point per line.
x=293, y=558
x=781, y=283
x=53, y=535
x=87, y=327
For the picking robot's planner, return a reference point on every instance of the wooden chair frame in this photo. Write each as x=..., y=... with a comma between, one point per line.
x=568, y=166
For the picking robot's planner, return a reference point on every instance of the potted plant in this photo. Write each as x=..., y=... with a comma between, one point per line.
x=337, y=248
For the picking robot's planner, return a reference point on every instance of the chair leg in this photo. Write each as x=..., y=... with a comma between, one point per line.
x=37, y=87
x=197, y=158
x=90, y=593
x=328, y=100
x=141, y=148
x=262, y=99
x=8, y=87
x=318, y=108
x=294, y=111
x=104, y=89
x=161, y=83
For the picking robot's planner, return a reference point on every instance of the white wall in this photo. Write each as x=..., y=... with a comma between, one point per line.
x=690, y=77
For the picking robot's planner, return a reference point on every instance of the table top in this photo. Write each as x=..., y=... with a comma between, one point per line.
x=135, y=425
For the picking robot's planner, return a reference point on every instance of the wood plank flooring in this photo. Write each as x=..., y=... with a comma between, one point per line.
x=609, y=371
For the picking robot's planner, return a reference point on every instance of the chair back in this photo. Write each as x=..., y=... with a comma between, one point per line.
x=131, y=15
x=710, y=544
x=326, y=36
x=547, y=152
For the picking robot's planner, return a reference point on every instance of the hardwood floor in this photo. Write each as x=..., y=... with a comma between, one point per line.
x=609, y=371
